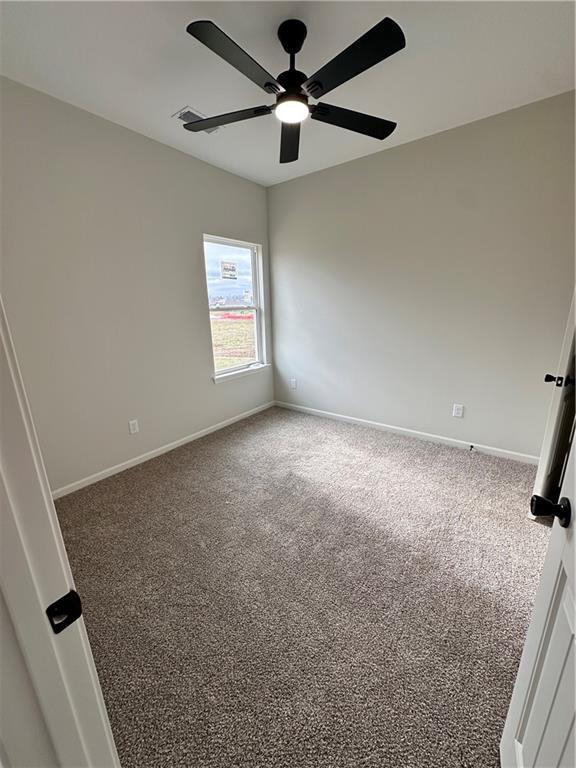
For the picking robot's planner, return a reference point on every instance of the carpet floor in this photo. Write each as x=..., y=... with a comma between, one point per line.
x=292, y=591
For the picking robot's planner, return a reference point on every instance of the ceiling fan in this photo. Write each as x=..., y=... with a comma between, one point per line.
x=293, y=88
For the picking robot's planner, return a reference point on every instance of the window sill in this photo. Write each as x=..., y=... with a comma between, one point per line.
x=220, y=378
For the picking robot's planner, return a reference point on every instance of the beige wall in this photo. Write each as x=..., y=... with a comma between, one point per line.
x=104, y=285
x=433, y=273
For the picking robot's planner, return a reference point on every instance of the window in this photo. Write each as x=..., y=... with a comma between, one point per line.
x=233, y=277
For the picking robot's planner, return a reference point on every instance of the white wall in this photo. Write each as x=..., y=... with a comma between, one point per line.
x=431, y=273
x=104, y=286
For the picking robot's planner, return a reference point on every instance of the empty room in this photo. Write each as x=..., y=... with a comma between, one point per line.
x=287, y=385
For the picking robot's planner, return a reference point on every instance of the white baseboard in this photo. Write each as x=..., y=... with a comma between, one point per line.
x=524, y=457
x=59, y=492
x=65, y=489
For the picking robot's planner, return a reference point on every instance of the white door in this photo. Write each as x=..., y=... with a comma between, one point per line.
x=539, y=730
x=55, y=684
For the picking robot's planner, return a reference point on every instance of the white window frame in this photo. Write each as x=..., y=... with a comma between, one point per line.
x=257, y=307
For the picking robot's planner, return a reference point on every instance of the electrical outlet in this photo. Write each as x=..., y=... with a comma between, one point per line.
x=293, y=384
x=133, y=426
x=458, y=411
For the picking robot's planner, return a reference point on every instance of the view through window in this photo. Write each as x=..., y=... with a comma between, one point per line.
x=232, y=272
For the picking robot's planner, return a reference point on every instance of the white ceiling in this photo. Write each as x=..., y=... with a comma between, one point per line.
x=133, y=63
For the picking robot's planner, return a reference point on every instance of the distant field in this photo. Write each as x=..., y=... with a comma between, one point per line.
x=233, y=338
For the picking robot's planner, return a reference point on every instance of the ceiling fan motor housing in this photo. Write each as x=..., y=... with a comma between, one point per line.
x=292, y=80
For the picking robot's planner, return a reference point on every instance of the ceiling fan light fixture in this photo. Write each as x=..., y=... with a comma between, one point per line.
x=291, y=108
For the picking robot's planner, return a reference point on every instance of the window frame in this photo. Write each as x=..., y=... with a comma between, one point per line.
x=257, y=306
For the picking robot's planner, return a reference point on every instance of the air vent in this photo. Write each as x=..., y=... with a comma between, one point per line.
x=187, y=115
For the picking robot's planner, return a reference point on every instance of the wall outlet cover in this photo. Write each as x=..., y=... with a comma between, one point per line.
x=458, y=411
x=133, y=426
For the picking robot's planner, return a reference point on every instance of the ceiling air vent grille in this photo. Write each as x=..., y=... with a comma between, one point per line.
x=187, y=115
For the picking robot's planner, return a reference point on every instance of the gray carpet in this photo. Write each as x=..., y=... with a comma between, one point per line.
x=292, y=591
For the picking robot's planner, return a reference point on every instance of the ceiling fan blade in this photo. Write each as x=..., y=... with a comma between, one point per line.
x=289, y=142
x=218, y=41
x=376, y=127
x=383, y=40
x=230, y=117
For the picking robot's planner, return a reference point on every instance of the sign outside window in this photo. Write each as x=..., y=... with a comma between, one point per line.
x=228, y=270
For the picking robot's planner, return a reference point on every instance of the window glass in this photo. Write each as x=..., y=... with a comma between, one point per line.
x=233, y=338
x=229, y=275
x=236, y=316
